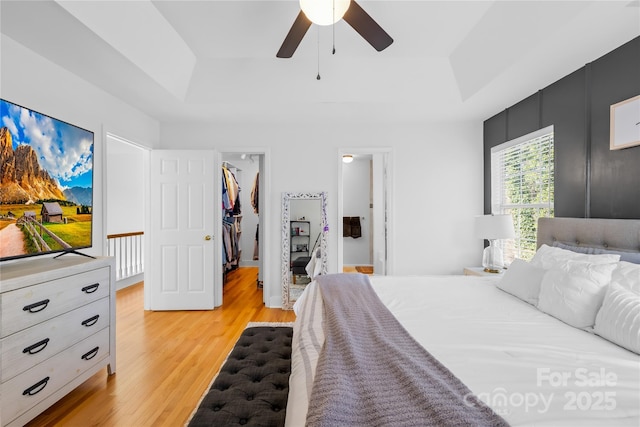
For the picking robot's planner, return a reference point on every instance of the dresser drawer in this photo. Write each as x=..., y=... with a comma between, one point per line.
x=24, y=349
x=31, y=305
x=31, y=387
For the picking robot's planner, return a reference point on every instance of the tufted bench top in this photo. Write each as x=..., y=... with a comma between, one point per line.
x=252, y=386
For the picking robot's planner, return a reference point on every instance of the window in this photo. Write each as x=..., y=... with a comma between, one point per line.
x=522, y=185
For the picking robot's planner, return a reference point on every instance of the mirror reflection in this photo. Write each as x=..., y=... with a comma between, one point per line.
x=303, y=242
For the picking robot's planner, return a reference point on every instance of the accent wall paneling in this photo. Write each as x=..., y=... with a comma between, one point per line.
x=494, y=133
x=523, y=118
x=591, y=180
x=615, y=174
x=560, y=107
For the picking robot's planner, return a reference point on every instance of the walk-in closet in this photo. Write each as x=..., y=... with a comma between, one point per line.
x=241, y=213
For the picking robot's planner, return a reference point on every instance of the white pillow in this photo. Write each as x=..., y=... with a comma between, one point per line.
x=619, y=318
x=573, y=291
x=548, y=257
x=522, y=280
x=627, y=275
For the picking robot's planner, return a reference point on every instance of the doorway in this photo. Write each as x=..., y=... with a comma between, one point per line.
x=242, y=233
x=364, y=223
x=124, y=199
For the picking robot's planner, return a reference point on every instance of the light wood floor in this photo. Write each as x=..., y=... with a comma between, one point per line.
x=165, y=360
x=353, y=268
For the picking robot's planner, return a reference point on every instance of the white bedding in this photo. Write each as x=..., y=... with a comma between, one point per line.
x=531, y=368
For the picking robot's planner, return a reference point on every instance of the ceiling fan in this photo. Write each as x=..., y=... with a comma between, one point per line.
x=328, y=12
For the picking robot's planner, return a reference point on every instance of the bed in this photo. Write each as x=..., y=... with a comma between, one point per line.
x=509, y=340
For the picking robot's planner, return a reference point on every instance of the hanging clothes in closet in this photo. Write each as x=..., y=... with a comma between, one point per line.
x=255, y=192
x=231, y=220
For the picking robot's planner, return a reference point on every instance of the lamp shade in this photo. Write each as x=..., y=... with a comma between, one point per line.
x=494, y=227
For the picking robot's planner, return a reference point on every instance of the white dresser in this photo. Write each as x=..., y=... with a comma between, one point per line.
x=57, y=329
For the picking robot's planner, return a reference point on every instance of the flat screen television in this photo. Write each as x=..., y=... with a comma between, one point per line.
x=46, y=184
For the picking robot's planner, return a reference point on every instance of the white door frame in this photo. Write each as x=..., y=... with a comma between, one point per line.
x=264, y=219
x=387, y=152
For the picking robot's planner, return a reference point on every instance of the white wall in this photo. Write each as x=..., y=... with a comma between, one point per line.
x=125, y=187
x=438, y=191
x=356, y=185
x=34, y=82
x=437, y=182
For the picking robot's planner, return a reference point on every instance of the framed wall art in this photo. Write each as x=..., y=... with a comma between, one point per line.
x=625, y=124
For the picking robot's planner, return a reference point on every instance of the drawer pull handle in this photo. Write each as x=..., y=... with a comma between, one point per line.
x=91, y=321
x=90, y=354
x=36, y=388
x=37, y=347
x=41, y=305
x=90, y=288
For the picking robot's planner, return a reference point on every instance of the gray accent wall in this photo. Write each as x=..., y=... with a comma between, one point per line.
x=591, y=181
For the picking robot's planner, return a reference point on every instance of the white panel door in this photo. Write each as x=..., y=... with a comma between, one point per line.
x=181, y=226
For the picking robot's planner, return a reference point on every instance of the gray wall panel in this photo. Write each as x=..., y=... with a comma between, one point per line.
x=563, y=105
x=495, y=133
x=523, y=117
x=615, y=174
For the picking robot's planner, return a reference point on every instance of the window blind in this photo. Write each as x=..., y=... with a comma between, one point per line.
x=522, y=184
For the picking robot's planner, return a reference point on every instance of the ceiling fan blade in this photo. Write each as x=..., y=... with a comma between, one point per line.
x=367, y=27
x=293, y=39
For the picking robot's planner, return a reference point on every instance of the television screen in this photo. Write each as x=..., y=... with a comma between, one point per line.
x=46, y=184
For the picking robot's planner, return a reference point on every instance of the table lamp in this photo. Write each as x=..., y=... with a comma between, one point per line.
x=492, y=228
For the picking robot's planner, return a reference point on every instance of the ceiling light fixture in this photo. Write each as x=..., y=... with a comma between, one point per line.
x=347, y=158
x=324, y=12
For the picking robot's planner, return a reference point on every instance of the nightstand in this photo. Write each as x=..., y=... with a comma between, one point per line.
x=479, y=271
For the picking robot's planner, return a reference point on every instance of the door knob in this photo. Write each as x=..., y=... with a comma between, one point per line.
x=207, y=237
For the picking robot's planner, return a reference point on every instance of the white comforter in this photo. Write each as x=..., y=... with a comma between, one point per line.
x=531, y=368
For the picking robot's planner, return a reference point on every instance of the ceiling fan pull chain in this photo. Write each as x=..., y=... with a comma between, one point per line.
x=333, y=28
x=318, y=77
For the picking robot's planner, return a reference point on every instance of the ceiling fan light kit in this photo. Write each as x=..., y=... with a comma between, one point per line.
x=324, y=13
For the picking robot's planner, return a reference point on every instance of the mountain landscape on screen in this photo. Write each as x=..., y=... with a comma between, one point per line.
x=46, y=183
x=22, y=178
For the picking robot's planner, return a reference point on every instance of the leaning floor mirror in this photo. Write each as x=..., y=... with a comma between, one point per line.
x=304, y=242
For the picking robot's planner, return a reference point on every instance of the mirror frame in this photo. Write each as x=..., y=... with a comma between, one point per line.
x=287, y=303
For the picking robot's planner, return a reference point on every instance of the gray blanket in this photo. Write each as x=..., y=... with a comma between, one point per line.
x=371, y=372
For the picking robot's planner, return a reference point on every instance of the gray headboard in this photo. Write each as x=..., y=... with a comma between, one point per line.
x=611, y=234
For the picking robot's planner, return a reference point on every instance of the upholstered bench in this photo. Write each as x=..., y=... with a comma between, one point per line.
x=252, y=386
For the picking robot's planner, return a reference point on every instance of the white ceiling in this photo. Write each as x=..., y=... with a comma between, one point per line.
x=214, y=61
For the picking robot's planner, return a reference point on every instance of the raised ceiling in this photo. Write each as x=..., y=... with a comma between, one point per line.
x=215, y=61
